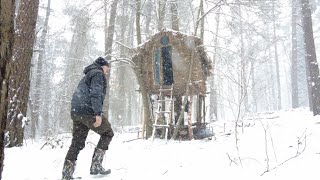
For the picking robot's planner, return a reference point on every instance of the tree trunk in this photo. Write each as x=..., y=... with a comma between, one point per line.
x=199, y=17
x=120, y=102
x=271, y=86
x=254, y=88
x=138, y=10
x=276, y=58
x=199, y=109
x=7, y=9
x=294, y=63
x=177, y=108
x=243, y=74
x=161, y=13
x=174, y=15
x=108, y=49
x=213, y=89
x=202, y=21
x=147, y=121
x=311, y=58
x=19, y=79
x=190, y=131
x=111, y=27
x=149, y=6
x=105, y=25
x=36, y=103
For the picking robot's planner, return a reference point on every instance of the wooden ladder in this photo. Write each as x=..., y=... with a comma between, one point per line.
x=162, y=113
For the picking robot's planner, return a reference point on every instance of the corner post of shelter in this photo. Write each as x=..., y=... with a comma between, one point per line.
x=190, y=128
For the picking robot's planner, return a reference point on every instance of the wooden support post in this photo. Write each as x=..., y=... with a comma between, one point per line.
x=162, y=116
x=204, y=109
x=190, y=131
x=199, y=107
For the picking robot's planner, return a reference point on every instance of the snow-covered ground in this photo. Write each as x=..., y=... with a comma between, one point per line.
x=286, y=142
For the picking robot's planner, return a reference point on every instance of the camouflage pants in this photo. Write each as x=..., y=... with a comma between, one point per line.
x=81, y=126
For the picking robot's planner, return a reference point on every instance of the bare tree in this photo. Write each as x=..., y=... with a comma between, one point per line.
x=19, y=82
x=7, y=8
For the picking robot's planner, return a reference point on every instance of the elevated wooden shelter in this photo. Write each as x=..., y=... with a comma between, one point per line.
x=176, y=49
x=171, y=58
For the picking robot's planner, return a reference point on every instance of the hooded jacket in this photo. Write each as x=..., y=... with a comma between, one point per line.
x=90, y=93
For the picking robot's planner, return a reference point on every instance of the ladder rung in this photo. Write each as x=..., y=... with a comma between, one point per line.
x=163, y=111
x=159, y=125
x=168, y=100
x=165, y=89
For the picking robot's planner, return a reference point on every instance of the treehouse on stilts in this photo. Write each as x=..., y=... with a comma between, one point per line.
x=172, y=69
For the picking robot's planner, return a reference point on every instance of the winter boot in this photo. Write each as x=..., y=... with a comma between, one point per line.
x=68, y=169
x=96, y=165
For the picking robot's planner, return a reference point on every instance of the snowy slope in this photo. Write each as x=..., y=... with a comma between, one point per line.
x=286, y=142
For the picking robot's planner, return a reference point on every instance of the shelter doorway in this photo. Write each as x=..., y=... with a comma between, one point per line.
x=167, y=69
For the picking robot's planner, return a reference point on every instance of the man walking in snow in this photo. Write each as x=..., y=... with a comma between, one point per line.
x=86, y=113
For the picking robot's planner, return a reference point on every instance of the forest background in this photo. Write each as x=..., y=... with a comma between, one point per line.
x=263, y=54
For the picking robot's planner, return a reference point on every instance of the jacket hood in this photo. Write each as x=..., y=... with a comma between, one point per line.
x=91, y=67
